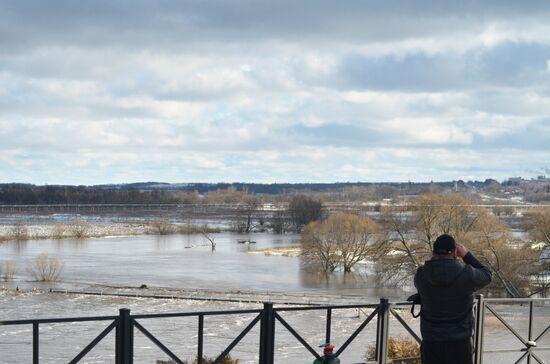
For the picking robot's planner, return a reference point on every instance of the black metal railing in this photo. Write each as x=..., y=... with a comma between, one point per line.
x=268, y=317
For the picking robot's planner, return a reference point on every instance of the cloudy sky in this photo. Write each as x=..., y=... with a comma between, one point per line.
x=273, y=91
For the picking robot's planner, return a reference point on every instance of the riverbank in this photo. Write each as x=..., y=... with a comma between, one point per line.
x=85, y=229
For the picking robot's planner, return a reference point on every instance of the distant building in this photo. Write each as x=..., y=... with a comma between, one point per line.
x=515, y=180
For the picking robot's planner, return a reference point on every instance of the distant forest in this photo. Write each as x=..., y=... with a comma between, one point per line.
x=165, y=193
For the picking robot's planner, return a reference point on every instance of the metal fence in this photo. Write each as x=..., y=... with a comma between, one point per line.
x=267, y=318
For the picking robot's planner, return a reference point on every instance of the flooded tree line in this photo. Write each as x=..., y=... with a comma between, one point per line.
x=400, y=238
x=397, y=236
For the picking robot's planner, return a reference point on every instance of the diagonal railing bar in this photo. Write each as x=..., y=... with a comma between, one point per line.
x=158, y=343
x=358, y=331
x=544, y=332
x=297, y=336
x=520, y=338
x=521, y=358
x=238, y=338
x=94, y=342
x=405, y=325
x=539, y=360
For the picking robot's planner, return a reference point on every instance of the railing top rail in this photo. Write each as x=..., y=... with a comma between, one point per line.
x=515, y=300
x=324, y=307
x=198, y=313
x=305, y=307
x=57, y=320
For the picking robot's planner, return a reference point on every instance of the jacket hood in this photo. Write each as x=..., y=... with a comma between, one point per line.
x=443, y=272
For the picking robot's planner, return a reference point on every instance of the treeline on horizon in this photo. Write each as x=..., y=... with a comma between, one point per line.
x=192, y=193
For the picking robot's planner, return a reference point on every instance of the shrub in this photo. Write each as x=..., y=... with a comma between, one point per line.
x=398, y=348
x=19, y=232
x=162, y=227
x=79, y=229
x=59, y=231
x=46, y=269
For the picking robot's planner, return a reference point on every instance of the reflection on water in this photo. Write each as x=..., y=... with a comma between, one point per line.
x=72, y=244
x=18, y=246
x=187, y=261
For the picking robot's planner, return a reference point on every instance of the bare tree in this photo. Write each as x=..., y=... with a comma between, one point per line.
x=412, y=230
x=341, y=240
x=206, y=232
x=280, y=222
x=512, y=265
x=247, y=208
x=538, y=225
x=397, y=222
x=302, y=210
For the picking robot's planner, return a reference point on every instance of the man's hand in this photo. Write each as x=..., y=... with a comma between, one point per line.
x=461, y=250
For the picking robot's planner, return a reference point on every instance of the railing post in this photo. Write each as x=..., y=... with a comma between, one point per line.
x=124, y=338
x=267, y=334
x=200, y=339
x=478, y=337
x=35, y=343
x=530, y=331
x=382, y=332
x=328, y=325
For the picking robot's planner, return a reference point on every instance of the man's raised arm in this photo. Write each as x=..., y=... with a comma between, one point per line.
x=482, y=274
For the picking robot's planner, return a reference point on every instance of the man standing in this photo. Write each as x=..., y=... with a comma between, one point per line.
x=446, y=286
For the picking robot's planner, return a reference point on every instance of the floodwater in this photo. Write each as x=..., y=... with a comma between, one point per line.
x=59, y=343
x=186, y=261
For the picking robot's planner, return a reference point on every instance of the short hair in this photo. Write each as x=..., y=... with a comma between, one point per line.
x=444, y=244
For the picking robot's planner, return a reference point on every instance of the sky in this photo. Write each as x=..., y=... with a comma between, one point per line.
x=101, y=91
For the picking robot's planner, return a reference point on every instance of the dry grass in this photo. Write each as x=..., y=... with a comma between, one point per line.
x=18, y=232
x=164, y=227
x=59, y=231
x=79, y=229
x=399, y=347
x=45, y=269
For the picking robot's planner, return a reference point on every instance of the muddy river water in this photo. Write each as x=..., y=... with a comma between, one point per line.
x=187, y=261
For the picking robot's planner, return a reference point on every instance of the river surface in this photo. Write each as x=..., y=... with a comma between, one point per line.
x=186, y=261
x=60, y=342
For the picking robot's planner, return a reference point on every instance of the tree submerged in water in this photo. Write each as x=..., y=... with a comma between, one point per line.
x=341, y=240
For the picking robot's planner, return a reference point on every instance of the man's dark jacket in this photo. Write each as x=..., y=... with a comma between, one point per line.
x=446, y=288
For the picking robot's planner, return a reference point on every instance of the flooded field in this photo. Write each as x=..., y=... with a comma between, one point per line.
x=188, y=262
x=184, y=261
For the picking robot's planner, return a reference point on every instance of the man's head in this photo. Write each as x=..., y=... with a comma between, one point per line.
x=444, y=246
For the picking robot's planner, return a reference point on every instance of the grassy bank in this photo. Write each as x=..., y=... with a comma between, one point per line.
x=81, y=229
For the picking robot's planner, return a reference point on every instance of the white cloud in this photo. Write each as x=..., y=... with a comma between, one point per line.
x=344, y=93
